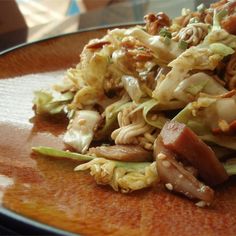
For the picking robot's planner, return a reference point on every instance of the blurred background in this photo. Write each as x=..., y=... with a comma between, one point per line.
x=29, y=20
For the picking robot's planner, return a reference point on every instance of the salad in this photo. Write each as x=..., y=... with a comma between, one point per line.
x=153, y=104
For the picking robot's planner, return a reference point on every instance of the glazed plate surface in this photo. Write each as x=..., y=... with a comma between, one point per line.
x=49, y=191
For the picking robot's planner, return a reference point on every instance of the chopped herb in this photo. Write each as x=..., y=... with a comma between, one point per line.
x=141, y=48
x=165, y=33
x=222, y=14
x=183, y=44
x=119, y=38
x=167, y=40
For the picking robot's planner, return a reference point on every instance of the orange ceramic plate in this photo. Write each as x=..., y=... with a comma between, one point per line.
x=50, y=192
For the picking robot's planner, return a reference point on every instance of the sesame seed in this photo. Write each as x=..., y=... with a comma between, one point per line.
x=161, y=156
x=201, y=204
x=181, y=176
x=166, y=164
x=169, y=186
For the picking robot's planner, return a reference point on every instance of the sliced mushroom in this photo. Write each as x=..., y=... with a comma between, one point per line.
x=177, y=178
x=130, y=153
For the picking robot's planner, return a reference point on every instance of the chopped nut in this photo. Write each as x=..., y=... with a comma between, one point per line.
x=156, y=22
x=224, y=126
x=97, y=45
x=144, y=56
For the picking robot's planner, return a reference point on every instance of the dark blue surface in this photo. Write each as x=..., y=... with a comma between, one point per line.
x=15, y=224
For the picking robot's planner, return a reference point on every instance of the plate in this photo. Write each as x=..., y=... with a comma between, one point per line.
x=44, y=192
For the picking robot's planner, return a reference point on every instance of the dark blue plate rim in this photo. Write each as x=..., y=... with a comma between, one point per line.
x=22, y=225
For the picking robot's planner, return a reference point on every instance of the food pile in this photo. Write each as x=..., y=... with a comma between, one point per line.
x=154, y=103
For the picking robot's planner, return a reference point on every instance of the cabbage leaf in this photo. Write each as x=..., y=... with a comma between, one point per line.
x=163, y=53
x=194, y=58
x=203, y=116
x=53, y=152
x=230, y=166
x=50, y=102
x=80, y=131
x=150, y=110
x=110, y=115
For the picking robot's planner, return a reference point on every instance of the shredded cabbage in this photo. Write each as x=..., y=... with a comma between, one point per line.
x=164, y=53
x=204, y=115
x=194, y=58
x=53, y=152
x=110, y=115
x=80, y=131
x=189, y=88
x=48, y=102
x=132, y=87
x=134, y=80
x=123, y=176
